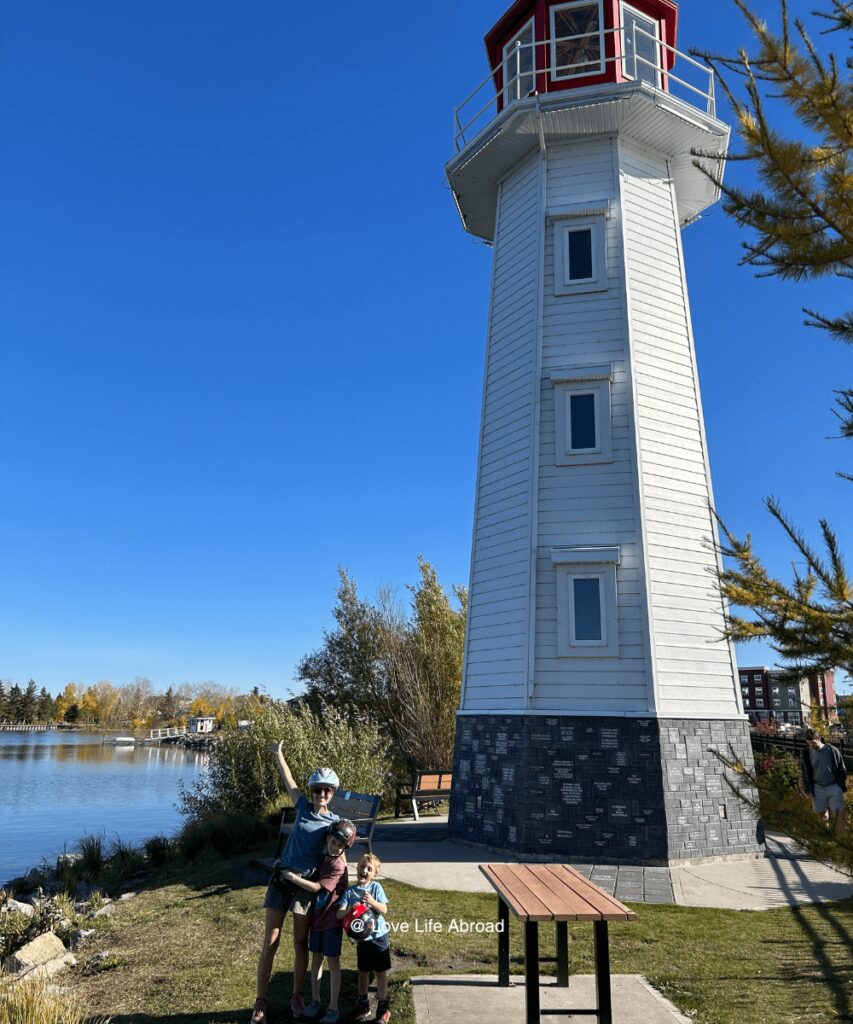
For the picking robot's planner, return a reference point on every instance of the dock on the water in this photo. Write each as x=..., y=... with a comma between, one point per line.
x=26, y=726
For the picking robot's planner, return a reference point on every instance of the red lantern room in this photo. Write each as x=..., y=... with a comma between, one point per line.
x=544, y=46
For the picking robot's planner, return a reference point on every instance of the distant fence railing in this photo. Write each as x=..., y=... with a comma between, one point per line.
x=793, y=745
x=26, y=726
x=167, y=734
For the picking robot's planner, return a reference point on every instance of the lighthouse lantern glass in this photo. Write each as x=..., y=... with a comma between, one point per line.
x=519, y=65
x=576, y=39
x=641, y=46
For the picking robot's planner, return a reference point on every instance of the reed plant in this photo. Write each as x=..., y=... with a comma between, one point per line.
x=33, y=1001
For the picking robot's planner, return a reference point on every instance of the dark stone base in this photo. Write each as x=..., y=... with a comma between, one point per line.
x=601, y=790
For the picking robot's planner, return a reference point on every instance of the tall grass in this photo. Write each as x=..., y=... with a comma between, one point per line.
x=32, y=1002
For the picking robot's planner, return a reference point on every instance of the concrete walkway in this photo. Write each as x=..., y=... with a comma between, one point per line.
x=476, y=997
x=421, y=855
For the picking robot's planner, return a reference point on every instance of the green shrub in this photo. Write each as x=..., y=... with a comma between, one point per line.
x=91, y=848
x=223, y=833
x=242, y=775
x=158, y=850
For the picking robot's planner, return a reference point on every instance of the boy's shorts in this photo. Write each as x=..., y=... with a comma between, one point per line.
x=288, y=896
x=328, y=941
x=373, y=955
x=828, y=798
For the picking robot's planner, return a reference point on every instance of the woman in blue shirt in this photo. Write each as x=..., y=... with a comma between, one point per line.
x=302, y=855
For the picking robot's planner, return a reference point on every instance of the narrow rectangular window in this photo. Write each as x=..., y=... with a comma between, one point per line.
x=582, y=421
x=586, y=601
x=519, y=65
x=642, y=47
x=579, y=257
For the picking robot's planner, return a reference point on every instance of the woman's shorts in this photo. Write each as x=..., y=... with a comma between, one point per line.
x=373, y=955
x=288, y=897
x=828, y=798
x=327, y=942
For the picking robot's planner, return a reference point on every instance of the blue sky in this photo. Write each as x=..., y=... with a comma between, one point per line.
x=242, y=332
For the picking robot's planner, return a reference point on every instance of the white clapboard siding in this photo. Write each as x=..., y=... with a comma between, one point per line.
x=693, y=669
x=591, y=505
x=496, y=649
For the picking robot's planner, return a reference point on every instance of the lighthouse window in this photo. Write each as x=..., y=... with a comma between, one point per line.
x=519, y=65
x=576, y=39
x=586, y=601
x=579, y=255
x=582, y=421
x=642, y=48
x=587, y=626
x=582, y=433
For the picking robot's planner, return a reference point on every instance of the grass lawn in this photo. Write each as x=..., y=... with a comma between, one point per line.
x=185, y=951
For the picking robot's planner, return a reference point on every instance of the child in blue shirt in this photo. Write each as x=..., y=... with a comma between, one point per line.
x=374, y=952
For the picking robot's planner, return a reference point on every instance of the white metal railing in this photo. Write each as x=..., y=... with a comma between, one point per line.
x=694, y=84
x=165, y=734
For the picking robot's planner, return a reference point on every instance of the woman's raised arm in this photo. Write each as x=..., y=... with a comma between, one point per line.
x=293, y=791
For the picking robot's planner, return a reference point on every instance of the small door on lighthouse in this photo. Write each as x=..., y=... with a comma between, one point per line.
x=641, y=47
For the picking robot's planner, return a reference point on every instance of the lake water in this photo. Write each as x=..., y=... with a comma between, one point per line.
x=57, y=786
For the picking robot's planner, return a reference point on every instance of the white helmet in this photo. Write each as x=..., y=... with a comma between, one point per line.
x=323, y=777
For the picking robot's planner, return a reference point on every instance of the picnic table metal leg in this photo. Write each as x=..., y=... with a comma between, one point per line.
x=503, y=944
x=531, y=971
x=563, y=954
x=602, y=973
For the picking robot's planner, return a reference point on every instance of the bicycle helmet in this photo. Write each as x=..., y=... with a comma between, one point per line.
x=345, y=831
x=323, y=777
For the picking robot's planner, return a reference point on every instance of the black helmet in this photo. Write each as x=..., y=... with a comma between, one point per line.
x=345, y=831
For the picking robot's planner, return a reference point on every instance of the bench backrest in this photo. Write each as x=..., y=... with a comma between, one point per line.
x=360, y=808
x=433, y=780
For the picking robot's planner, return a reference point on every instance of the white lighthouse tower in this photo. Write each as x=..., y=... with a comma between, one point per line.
x=595, y=684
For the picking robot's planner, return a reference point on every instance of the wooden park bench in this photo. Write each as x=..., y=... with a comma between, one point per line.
x=553, y=892
x=427, y=786
x=360, y=808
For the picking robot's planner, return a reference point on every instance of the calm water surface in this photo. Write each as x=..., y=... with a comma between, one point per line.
x=57, y=786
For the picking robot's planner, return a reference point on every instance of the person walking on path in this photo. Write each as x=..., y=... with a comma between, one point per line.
x=824, y=778
x=302, y=855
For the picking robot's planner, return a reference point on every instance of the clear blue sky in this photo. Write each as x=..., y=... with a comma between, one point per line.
x=242, y=331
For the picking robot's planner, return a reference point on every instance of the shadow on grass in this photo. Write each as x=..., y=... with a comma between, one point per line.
x=279, y=996
x=223, y=1017
x=836, y=976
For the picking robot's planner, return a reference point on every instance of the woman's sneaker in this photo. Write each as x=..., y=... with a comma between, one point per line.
x=312, y=1010
x=383, y=1012
x=361, y=1011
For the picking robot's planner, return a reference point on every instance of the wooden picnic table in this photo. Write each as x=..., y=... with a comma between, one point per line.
x=559, y=893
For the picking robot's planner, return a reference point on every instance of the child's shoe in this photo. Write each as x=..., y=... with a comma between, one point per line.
x=312, y=1010
x=261, y=1011
x=297, y=1004
x=329, y=1017
x=361, y=1011
x=383, y=1012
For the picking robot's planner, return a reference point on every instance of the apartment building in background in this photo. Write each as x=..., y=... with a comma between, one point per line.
x=767, y=696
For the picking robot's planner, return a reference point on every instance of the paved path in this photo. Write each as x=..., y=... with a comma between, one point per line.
x=476, y=997
x=421, y=855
